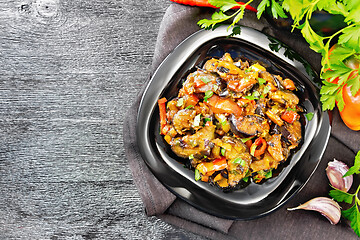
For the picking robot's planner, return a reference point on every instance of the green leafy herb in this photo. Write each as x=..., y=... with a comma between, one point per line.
x=301, y=11
x=244, y=140
x=268, y=174
x=245, y=179
x=255, y=95
x=356, y=168
x=207, y=119
x=309, y=116
x=222, y=151
x=190, y=106
x=352, y=213
x=291, y=109
x=341, y=196
x=266, y=90
x=208, y=95
x=240, y=161
x=205, y=80
x=197, y=175
x=191, y=156
x=261, y=81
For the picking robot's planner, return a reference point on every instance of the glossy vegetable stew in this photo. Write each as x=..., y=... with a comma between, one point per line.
x=233, y=120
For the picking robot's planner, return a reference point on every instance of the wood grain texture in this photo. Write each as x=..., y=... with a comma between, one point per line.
x=68, y=72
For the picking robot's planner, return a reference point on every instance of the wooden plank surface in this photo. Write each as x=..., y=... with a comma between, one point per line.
x=69, y=70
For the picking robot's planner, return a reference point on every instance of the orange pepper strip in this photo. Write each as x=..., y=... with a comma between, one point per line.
x=289, y=84
x=258, y=147
x=220, y=164
x=289, y=116
x=209, y=167
x=162, y=110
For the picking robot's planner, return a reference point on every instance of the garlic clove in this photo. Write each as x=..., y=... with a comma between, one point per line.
x=326, y=206
x=335, y=172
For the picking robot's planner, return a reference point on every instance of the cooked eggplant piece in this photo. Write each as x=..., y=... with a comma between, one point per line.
x=275, y=147
x=249, y=125
x=285, y=97
x=293, y=134
x=183, y=120
x=197, y=145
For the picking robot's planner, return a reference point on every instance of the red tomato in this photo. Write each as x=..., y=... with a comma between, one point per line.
x=351, y=112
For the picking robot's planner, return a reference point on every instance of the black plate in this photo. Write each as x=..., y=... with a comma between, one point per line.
x=254, y=200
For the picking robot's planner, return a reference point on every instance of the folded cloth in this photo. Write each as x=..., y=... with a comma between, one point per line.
x=178, y=23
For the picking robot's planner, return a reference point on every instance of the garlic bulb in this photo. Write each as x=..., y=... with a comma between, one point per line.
x=326, y=206
x=335, y=172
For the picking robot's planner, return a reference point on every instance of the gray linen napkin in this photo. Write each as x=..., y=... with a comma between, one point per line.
x=178, y=23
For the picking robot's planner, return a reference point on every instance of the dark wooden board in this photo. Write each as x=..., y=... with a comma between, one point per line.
x=69, y=71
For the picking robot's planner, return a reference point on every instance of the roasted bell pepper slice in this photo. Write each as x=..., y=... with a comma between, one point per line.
x=224, y=105
x=290, y=116
x=215, y=165
x=258, y=147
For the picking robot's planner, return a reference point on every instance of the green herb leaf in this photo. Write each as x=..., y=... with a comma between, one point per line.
x=240, y=161
x=261, y=7
x=268, y=174
x=261, y=81
x=224, y=5
x=315, y=40
x=266, y=90
x=216, y=18
x=207, y=120
x=354, y=84
x=236, y=30
x=244, y=140
x=190, y=106
x=341, y=196
x=309, y=116
x=208, y=95
x=191, y=156
x=197, y=175
x=205, y=80
x=245, y=179
x=355, y=169
x=353, y=215
x=277, y=10
x=351, y=37
x=222, y=150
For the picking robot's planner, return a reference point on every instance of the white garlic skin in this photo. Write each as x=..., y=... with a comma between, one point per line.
x=335, y=172
x=326, y=206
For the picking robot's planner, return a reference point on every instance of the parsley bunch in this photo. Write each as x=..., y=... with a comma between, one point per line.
x=335, y=71
x=352, y=213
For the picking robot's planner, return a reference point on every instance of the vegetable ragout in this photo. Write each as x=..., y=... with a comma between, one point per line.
x=233, y=120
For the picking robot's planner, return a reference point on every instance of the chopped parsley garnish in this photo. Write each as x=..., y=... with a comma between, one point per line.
x=205, y=80
x=261, y=81
x=222, y=151
x=240, y=161
x=309, y=116
x=197, y=175
x=208, y=95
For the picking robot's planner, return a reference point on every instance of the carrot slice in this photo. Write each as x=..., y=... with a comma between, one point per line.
x=162, y=110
